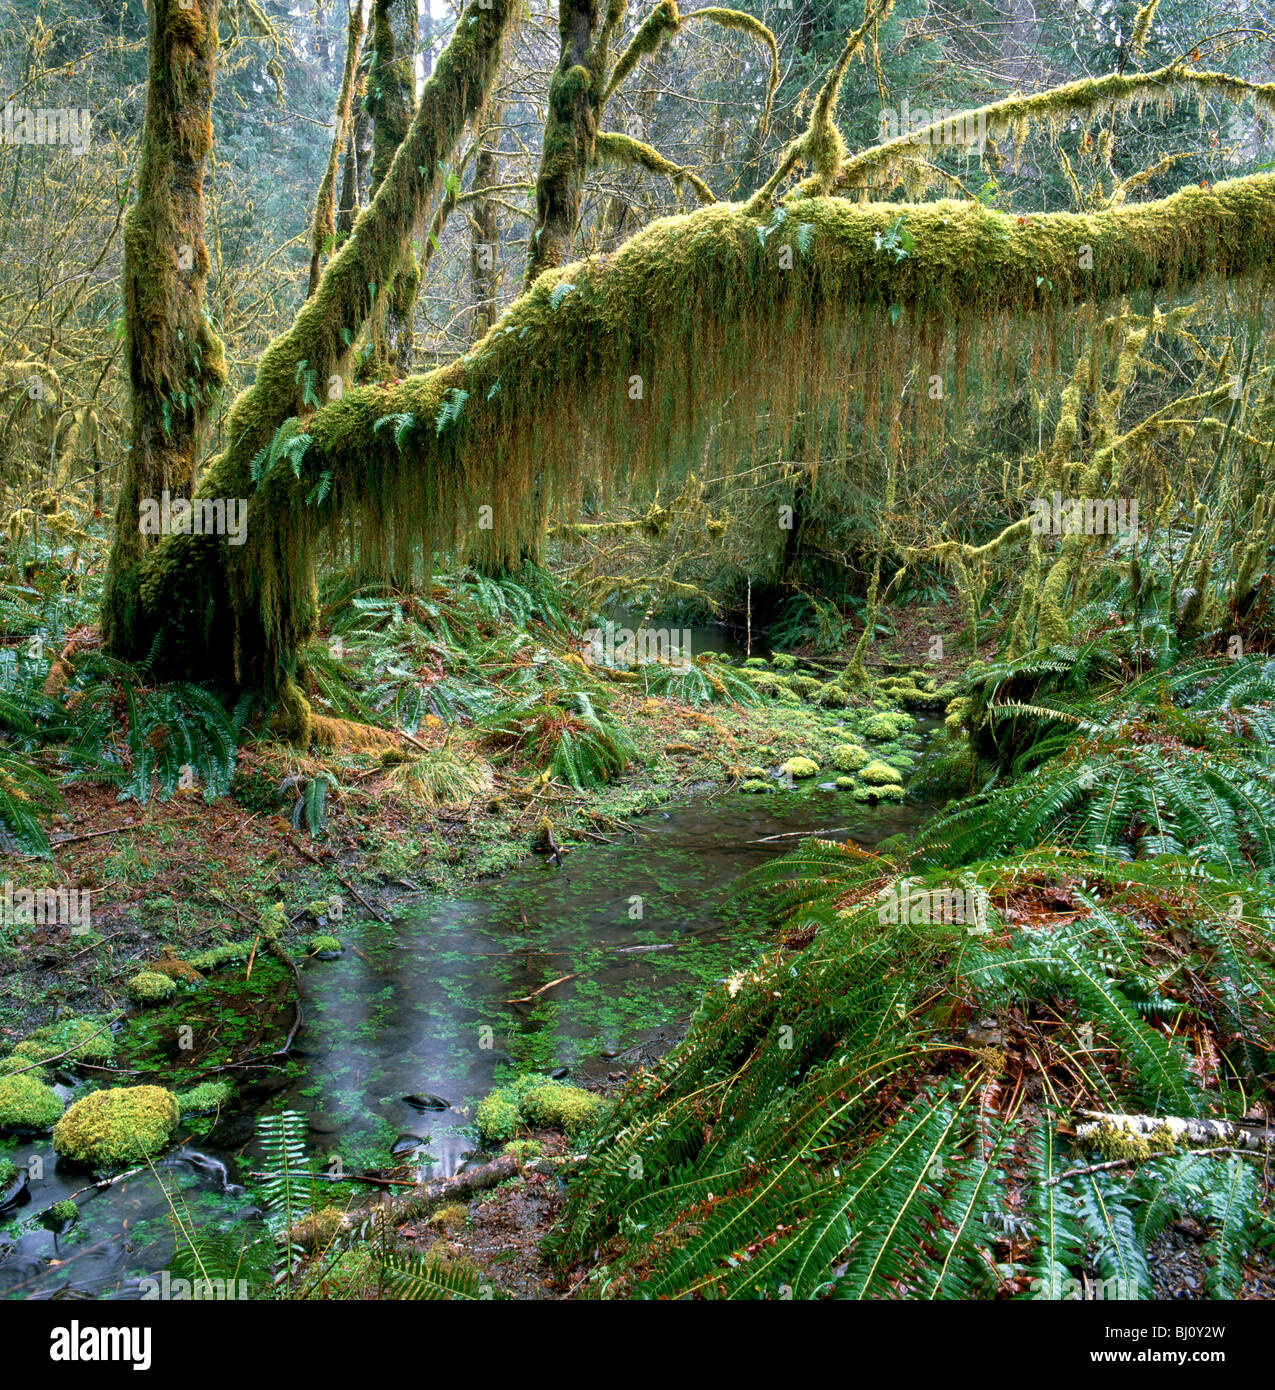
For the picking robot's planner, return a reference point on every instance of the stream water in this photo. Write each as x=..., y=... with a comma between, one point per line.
x=593, y=967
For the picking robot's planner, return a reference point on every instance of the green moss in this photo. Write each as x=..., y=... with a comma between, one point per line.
x=324, y=943
x=756, y=786
x=846, y=784
x=534, y=1102
x=755, y=663
x=87, y=1039
x=800, y=767
x=117, y=1127
x=888, y=726
x=149, y=987
x=497, y=1118
x=879, y=774
x=8, y=1172
x=523, y=1149
x=781, y=661
x=205, y=1098
x=805, y=685
x=26, y=1103
x=849, y=757
x=556, y=1105
x=60, y=1213
x=887, y=791
x=14, y=1063
x=217, y=956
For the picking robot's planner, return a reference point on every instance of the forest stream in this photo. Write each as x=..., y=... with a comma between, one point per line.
x=413, y=1023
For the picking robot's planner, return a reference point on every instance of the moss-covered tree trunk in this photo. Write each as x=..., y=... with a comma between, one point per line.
x=176, y=365
x=484, y=228
x=392, y=102
x=323, y=223
x=571, y=127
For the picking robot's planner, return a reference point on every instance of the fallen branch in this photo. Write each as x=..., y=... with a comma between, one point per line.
x=535, y=993
x=1191, y=1132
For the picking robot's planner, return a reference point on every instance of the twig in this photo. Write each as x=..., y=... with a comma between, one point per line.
x=527, y=998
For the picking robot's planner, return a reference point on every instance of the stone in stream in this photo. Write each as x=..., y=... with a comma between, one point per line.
x=559, y=1073
x=406, y=1144
x=427, y=1101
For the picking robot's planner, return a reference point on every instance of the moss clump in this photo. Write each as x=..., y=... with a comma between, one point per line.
x=535, y=1101
x=320, y=945
x=448, y=1217
x=217, y=956
x=15, y=1063
x=807, y=686
x=558, y=1106
x=522, y=1149
x=318, y=1230
x=116, y=1127
x=849, y=757
x=834, y=696
x=800, y=767
x=7, y=1172
x=846, y=784
x=755, y=663
x=205, y=1098
x=60, y=1213
x=879, y=774
x=148, y=987
x=886, y=727
x=497, y=1118
x=86, y=1039
x=175, y=968
x=26, y=1103
x=886, y=792
x=756, y=786
x=781, y=661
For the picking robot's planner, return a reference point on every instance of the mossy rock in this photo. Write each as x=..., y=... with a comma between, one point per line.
x=175, y=968
x=117, y=1127
x=834, y=696
x=534, y=1102
x=806, y=686
x=60, y=1214
x=28, y=1104
x=800, y=767
x=205, y=1098
x=756, y=786
x=14, y=1063
x=886, y=727
x=788, y=697
x=888, y=791
x=556, y=1105
x=523, y=1149
x=879, y=774
x=497, y=1118
x=846, y=784
x=217, y=956
x=319, y=1229
x=325, y=946
x=148, y=987
x=449, y=1216
x=755, y=663
x=781, y=661
x=849, y=757
x=87, y=1039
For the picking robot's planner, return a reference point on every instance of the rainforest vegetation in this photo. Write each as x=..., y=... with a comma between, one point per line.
x=636, y=650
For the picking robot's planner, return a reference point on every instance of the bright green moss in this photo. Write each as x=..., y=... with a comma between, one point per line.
x=534, y=1102
x=217, y=956
x=806, y=686
x=756, y=786
x=26, y=1103
x=60, y=1213
x=887, y=791
x=149, y=987
x=849, y=757
x=117, y=1127
x=888, y=726
x=323, y=943
x=523, y=1149
x=87, y=1039
x=558, y=1106
x=879, y=774
x=800, y=767
x=846, y=784
x=205, y=1098
x=781, y=661
x=7, y=1172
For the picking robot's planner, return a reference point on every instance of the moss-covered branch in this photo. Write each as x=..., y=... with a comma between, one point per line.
x=624, y=360
x=624, y=149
